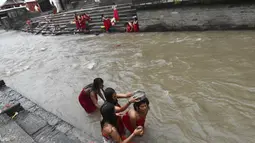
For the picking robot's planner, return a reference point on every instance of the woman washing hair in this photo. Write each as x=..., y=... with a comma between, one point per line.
x=109, y=126
x=112, y=97
x=136, y=117
x=88, y=96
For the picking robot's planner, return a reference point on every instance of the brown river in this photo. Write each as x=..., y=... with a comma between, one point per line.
x=201, y=85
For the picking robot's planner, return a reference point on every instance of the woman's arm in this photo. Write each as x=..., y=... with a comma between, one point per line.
x=94, y=100
x=116, y=137
x=121, y=95
x=122, y=108
x=132, y=115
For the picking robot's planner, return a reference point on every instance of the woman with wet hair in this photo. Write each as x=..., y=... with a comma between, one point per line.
x=136, y=117
x=109, y=126
x=112, y=97
x=88, y=96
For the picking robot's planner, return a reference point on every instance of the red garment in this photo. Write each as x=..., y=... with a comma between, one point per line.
x=128, y=28
x=87, y=17
x=86, y=102
x=77, y=24
x=28, y=22
x=107, y=24
x=116, y=14
x=54, y=10
x=83, y=23
x=127, y=123
x=136, y=27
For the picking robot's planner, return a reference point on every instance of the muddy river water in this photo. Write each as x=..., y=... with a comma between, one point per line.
x=201, y=85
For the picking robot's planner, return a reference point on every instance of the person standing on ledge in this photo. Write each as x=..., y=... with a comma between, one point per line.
x=115, y=12
x=88, y=96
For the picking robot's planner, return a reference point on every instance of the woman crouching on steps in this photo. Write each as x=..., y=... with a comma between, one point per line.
x=88, y=96
x=109, y=126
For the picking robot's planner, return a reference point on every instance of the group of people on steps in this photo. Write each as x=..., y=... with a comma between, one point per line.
x=115, y=126
x=130, y=26
x=81, y=21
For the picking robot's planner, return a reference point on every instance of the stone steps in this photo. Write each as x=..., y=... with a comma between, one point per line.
x=97, y=16
x=66, y=20
x=10, y=131
x=35, y=125
x=94, y=15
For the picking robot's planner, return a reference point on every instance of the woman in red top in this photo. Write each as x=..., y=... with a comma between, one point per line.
x=107, y=23
x=83, y=23
x=115, y=12
x=88, y=96
x=136, y=117
x=112, y=97
x=135, y=25
x=76, y=20
x=129, y=27
x=109, y=126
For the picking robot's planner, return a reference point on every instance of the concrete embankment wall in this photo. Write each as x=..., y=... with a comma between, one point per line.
x=198, y=17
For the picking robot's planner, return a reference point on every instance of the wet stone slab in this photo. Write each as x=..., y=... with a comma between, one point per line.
x=30, y=123
x=12, y=133
x=63, y=127
x=25, y=103
x=47, y=116
x=45, y=134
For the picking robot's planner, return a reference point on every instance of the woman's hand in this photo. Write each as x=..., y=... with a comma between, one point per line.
x=132, y=100
x=129, y=94
x=138, y=131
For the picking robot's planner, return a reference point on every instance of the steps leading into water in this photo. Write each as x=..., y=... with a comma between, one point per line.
x=66, y=25
x=33, y=124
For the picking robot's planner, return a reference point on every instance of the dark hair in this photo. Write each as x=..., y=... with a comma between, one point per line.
x=75, y=16
x=96, y=84
x=137, y=104
x=108, y=93
x=135, y=19
x=107, y=111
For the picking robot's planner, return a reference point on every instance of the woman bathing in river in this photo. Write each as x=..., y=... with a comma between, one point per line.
x=136, y=117
x=88, y=96
x=112, y=97
x=109, y=126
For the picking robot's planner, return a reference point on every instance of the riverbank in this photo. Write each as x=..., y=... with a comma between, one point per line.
x=34, y=124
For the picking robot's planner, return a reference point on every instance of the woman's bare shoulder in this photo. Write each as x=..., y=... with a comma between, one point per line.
x=132, y=113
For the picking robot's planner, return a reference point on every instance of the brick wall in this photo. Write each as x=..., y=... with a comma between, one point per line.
x=198, y=18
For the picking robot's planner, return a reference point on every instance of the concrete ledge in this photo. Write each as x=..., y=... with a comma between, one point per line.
x=193, y=18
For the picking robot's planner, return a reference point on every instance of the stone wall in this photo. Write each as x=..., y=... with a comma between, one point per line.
x=201, y=17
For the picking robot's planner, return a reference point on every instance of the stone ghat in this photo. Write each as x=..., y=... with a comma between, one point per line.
x=34, y=124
